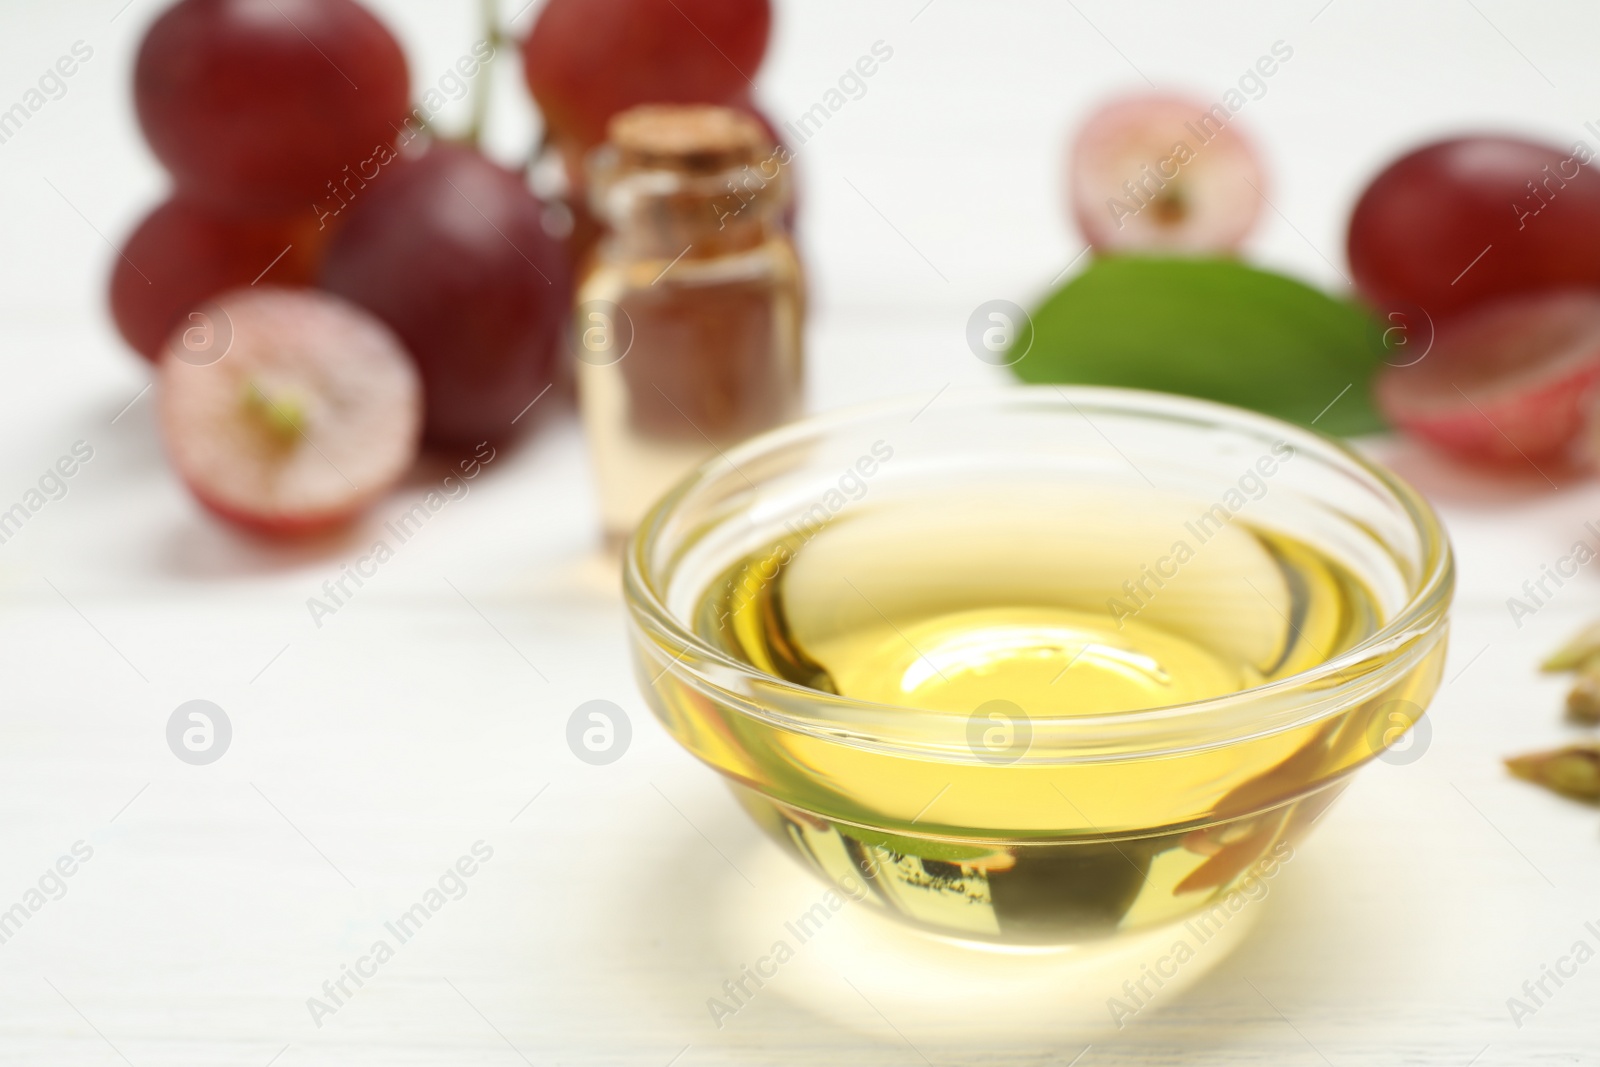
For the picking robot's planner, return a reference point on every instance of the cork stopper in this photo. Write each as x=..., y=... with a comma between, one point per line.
x=687, y=138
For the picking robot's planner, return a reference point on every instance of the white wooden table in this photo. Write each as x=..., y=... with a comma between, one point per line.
x=371, y=754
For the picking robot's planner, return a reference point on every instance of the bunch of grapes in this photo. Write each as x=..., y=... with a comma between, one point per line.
x=298, y=163
x=253, y=112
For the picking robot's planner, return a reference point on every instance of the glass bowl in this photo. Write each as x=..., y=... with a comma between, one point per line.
x=855, y=619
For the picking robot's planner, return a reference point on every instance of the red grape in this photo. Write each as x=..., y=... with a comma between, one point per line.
x=451, y=252
x=586, y=60
x=313, y=414
x=184, y=253
x=258, y=104
x=1458, y=222
x=1511, y=383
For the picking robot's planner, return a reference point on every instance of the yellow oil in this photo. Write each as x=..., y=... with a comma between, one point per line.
x=1015, y=607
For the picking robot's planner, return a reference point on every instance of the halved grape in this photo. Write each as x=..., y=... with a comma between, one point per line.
x=293, y=412
x=1511, y=383
x=1155, y=172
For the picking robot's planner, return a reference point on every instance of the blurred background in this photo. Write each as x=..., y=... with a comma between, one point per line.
x=369, y=753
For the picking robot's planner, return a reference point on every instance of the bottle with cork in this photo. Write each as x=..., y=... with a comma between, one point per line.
x=688, y=312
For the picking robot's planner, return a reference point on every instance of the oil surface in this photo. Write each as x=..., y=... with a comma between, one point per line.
x=866, y=609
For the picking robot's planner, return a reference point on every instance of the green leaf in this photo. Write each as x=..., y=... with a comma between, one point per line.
x=1212, y=328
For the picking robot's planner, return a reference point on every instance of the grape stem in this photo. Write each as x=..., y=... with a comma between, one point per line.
x=539, y=148
x=483, y=87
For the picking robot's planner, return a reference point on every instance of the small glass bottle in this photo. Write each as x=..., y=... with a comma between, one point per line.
x=688, y=316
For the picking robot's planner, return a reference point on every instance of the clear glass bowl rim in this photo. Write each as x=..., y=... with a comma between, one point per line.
x=1219, y=720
